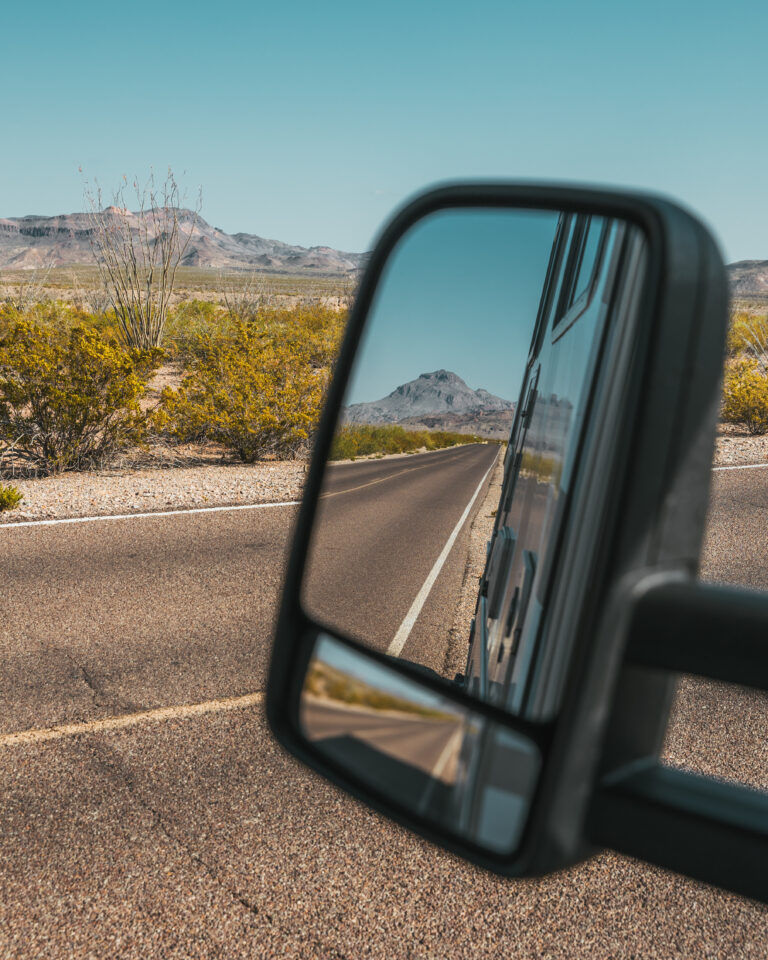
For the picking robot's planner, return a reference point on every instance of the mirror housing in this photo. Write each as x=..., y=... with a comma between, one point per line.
x=645, y=536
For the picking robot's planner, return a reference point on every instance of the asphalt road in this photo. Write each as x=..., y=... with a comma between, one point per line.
x=190, y=834
x=414, y=740
x=381, y=527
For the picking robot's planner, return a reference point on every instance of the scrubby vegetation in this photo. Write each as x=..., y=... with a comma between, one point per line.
x=361, y=440
x=69, y=395
x=71, y=391
x=255, y=394
x=10, y=497
x=745, y=382
x=745, y=394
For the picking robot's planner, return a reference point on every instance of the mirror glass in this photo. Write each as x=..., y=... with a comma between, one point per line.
x=444, y=533
x=451, y=766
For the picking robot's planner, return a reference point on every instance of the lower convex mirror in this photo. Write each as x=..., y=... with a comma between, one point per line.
x=414, y=746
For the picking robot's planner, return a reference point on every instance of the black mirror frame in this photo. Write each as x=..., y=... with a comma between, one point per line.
x=681, y=331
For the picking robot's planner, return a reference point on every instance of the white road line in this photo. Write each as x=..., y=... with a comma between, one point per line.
x=396, y=646
x=129, y=720
x=744, y=466
x=143, y=516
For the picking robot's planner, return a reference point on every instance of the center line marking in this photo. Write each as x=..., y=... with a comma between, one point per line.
x=398, y=642
x=64, y=730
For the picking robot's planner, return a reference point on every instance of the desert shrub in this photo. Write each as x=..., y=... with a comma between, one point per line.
x=10, y=497
x=363, y=440
x=191, y=324
x=69, y=398
x=745, y=395
x=318, y=328
x=748, y=334
x=61, y=314
x=257, y=395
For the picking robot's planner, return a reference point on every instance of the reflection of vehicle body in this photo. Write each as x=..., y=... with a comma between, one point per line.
x=517, y=655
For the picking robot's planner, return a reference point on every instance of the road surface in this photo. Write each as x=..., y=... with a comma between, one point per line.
x=190, y=834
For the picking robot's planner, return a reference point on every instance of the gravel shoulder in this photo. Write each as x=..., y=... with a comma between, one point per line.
x=734, y=446
x=150, y=490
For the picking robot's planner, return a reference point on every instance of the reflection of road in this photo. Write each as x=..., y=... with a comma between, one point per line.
x=382, y=526
x=428, y=744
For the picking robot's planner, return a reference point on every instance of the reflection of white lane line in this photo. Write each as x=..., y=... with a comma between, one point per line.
x=396, y=646
x=450, y=751
x=129, y=720
x=143, y=516
x=744, y=466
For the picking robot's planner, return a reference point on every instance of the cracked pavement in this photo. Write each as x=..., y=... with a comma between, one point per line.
x=195, y=836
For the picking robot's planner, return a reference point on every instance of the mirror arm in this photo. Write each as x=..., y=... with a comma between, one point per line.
x=709, y=829
x=704, y=629
x=713, y=831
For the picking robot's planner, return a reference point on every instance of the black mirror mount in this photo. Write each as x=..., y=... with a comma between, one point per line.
x=634, y=499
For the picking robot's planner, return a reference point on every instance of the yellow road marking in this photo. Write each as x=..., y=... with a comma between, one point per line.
x=64, y=730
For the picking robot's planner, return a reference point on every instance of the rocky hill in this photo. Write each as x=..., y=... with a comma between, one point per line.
x=28, y=242
x=748, y=278
x=438, y=401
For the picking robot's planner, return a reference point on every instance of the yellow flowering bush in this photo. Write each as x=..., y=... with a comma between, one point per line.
x=256, y=395
x=69, y=397
x=745, y=395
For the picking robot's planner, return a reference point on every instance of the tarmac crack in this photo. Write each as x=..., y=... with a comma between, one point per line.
x=113, y=765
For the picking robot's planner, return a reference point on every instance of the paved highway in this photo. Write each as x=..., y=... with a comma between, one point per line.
x=417, y=741
x=190, y=834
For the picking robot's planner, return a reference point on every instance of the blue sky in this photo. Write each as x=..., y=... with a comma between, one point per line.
x=308, y=122
x=461, y=293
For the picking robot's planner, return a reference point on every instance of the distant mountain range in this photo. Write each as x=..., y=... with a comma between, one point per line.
x=439, y=400
x=28, y=242
x=748, y=278
x=62, y=241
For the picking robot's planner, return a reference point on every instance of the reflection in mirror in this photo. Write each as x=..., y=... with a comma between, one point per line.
x=445, y=508
x=459, y=770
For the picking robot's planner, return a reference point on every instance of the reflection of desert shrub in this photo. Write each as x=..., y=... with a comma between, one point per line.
x=363, y=440
x=255, y=395
x=329, y=683
x=69, y=398
x=10, y=497
x=545, y=467
x=745, y=395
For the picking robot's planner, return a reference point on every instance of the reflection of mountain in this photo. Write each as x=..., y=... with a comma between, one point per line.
x=438, y=401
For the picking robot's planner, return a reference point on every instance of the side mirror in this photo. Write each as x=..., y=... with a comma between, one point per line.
x=480, y=639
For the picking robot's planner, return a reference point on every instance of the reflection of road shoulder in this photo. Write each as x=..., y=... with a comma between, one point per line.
x=480, y=533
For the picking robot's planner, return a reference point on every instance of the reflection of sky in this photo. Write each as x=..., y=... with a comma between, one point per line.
x=343, y=658
x=461, y=293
